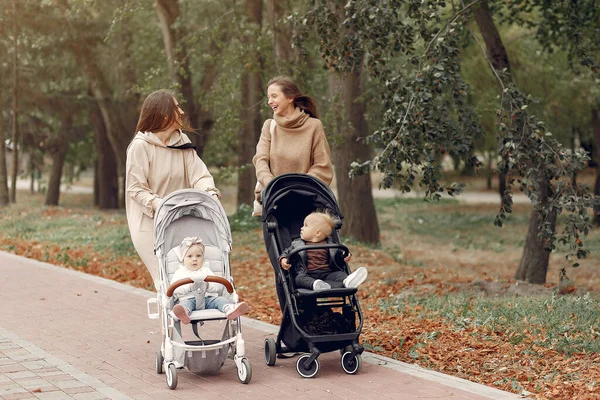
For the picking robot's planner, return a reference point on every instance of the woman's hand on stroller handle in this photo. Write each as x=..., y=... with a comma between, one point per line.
x=211, y=278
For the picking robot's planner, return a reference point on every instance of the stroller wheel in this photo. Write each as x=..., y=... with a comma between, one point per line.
x=171, y=376
x=312, y=369
x=270, y=351
x=351, y=364
x=345, y=349
x=159, y=362
x=245, y=371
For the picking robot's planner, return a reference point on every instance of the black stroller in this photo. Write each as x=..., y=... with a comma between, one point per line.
x=309, y=323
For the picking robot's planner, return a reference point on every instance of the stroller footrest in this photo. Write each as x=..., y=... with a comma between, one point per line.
x=203, y=315
x=326, y=293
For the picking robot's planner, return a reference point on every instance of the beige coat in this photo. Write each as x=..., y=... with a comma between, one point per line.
x=298, y=144
x=152, y=172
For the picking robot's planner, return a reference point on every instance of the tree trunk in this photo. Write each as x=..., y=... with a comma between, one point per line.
x=178, y=61
x=497, y=54
x=252, y=95
x=32, y=172
x=285, y=56
x=83, y=48
x=58, y=150
x=502, y=178
x=15, y=121
x=4, y=195
x=355, y=196
x=210, y=73
x=575, y=144
x=533, y=266
x=106, y=178
x=129, y=99
x=116, y=129
x=534, y=262
x=488, y=172
x=596, y=128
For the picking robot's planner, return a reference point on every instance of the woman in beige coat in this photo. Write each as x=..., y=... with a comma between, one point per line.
x=160, y=160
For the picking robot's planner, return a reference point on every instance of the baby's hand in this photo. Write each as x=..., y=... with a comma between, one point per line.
x=284, y=263
x=348, y=257
x=200, y=275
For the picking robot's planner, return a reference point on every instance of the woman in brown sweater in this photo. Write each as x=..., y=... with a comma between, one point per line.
x=292, y=142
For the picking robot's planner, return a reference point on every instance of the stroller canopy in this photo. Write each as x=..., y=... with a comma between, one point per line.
x=304, y=191
x=198, y=214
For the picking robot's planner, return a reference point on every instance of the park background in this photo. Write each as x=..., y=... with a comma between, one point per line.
x=430, y=97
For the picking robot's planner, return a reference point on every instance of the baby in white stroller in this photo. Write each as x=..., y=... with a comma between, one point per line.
x=195, y=216
x=192, y=296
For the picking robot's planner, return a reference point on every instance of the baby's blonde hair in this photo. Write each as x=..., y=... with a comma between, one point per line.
x=328, y=221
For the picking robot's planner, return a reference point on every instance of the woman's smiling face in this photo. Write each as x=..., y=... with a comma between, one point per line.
x=281, y=105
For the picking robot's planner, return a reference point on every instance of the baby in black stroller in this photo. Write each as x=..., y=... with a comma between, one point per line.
x=320, y=268
x=320, y=309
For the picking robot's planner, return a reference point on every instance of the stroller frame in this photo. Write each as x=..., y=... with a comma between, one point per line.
x=191, y=212
x=314, y=194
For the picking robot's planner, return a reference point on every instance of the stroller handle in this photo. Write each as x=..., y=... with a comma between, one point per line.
x=320, y=246
x=185, y=281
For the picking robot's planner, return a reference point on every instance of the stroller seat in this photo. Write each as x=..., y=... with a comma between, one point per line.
x=212, y=255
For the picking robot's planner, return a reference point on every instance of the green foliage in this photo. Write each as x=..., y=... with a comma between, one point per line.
x=534, y=159
x=568, y=324
x=450, y=223
x=428, y=113
x=243, y=220
x=569, y=24
x=104, y=232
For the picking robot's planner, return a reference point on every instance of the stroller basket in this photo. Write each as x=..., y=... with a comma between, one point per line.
x=208, y=361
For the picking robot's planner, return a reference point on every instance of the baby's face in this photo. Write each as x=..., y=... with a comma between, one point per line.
x=194, y=258
x=312, y=228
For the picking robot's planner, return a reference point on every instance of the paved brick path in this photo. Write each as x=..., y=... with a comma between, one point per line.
x=68, y=335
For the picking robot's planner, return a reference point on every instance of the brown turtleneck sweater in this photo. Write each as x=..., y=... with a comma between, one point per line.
x=298, y=144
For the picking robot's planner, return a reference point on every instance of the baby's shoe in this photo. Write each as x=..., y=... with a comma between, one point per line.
x=356, y=278
x=321, y=285
x=180, y=313
x=232, y=311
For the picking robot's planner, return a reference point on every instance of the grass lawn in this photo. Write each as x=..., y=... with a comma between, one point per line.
x=439, y=294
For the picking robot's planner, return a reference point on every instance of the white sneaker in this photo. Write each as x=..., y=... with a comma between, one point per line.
x=321, y=285
x=232, y=311
x=356, y=278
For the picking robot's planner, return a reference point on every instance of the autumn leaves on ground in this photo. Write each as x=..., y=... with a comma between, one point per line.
x=395, y=324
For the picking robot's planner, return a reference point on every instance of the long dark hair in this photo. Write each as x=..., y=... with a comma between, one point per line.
x=290, y=90
x=159, y=112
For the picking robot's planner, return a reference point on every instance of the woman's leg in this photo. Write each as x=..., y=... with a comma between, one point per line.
x=143, y=242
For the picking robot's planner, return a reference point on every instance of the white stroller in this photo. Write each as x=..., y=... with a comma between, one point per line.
x=183, y=213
